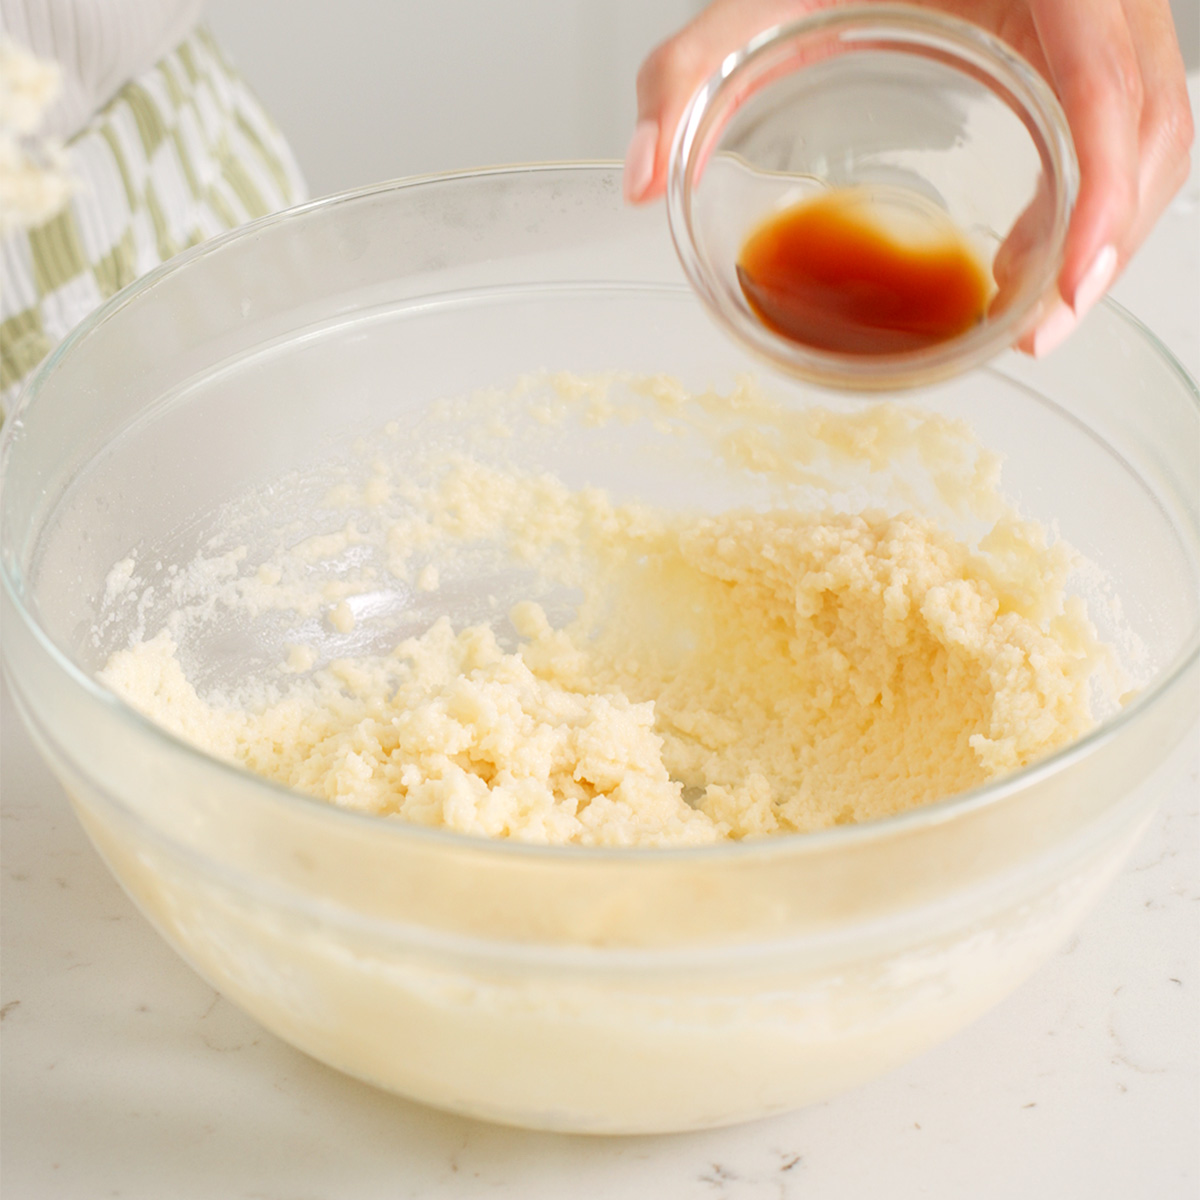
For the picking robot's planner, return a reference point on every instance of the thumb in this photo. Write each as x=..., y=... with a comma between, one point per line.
x=677, y=67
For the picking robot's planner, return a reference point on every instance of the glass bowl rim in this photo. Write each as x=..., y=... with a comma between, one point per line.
x=903, y=27
x=912, y=821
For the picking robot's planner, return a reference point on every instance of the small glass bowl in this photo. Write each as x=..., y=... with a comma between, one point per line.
x=916, y=108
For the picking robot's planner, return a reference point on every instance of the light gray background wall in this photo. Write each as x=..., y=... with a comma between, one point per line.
x=368, y=90
x=1187, y=25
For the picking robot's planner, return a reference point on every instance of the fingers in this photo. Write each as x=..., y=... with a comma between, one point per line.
x=1094, y=69
x=677, y=68
x=1023, y=244
x=1165, y=132
x=1117, y=69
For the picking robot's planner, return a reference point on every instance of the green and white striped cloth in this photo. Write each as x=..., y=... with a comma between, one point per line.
x=182, y=152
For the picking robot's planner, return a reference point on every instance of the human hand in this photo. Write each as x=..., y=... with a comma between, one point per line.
x=1114, y=64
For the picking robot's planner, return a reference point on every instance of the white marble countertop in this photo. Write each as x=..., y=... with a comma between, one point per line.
x=123, y=1074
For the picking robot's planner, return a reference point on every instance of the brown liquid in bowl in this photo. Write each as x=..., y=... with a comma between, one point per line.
x=828, y=273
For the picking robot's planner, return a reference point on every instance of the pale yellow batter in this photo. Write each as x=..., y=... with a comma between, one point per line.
x=748, y=673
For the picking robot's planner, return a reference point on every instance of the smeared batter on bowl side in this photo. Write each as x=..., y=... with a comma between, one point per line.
x=727, y=675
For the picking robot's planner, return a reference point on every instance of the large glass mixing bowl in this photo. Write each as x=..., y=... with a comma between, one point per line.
x=561, y=988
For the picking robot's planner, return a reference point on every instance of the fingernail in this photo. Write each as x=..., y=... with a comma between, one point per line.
x=639, y=160
x=1095, y=283
x=1054, y=329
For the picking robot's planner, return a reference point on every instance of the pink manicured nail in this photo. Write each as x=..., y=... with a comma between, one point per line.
x=1095, y=283
x=639, y=160
x=1054, y=330
x=1057, y=325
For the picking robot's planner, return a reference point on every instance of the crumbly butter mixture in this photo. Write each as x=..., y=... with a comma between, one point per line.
x=727, y=675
